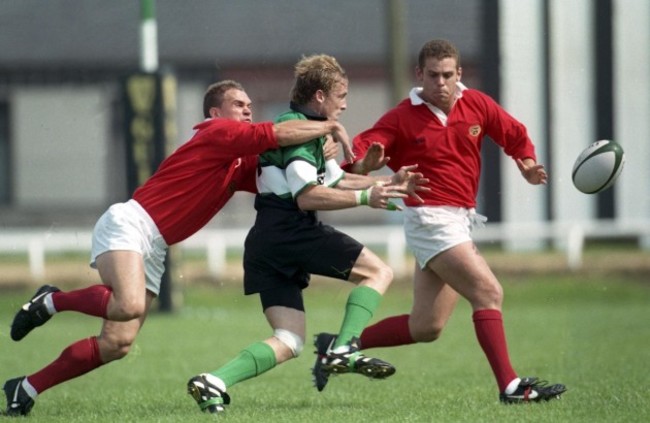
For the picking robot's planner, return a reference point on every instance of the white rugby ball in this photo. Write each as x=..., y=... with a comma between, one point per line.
x=598, y=166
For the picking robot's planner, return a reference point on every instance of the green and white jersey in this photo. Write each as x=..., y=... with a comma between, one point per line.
x=287, y=171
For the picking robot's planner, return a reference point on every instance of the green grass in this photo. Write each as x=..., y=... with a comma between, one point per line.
x=592, y=334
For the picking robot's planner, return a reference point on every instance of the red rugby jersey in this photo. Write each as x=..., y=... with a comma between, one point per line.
x=198, y=179
x=449, y=155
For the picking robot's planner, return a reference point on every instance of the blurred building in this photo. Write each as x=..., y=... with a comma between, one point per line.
x=557, y=67
x=62, y=63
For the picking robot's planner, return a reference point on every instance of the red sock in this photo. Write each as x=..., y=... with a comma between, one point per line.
x=390, y=332
x=491, y=335
x=76, y=360
x=92, y=300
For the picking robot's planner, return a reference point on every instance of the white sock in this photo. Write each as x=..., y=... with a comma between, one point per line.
x=512, y=386
x=49, y=304
x=29, y=389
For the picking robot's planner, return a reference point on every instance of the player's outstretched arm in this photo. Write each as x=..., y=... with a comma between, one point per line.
x=534, y=173
x=292, y=132
x=319, y=197
x=407, y=181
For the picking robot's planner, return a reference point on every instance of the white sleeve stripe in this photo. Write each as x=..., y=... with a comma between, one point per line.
x=299, y=174
x=333, y=173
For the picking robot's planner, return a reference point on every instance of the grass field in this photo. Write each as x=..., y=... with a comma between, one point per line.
x=590, y=332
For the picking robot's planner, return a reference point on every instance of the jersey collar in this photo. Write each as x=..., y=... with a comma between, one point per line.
x=416, y=100
x=305, y=111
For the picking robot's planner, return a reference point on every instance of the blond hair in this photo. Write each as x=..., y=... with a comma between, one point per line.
x=313, y=73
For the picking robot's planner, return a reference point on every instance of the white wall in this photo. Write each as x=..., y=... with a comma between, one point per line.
x=60, y=146
x=367, y=102
x=632, y=106
x=572, y=103
x=522, y=95
x=189, y=109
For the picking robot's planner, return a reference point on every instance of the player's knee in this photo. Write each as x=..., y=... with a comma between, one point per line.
x=382, y=276
x=112, y=349
x=128, y=310
x=427, y=334
x=121, y=351
x=386, y=273
x=293, y=341
x=492, y=295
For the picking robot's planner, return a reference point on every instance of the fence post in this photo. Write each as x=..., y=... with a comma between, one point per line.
x=396, y=249
x=575, y=245
x=36, y=255
x=216, y=256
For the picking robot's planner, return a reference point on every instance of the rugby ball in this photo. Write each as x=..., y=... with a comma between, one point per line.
x=598, y=166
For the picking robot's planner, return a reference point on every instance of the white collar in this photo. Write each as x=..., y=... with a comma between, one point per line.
x=416, y=100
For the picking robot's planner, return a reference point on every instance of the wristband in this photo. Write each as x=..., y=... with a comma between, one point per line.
x=362, y=196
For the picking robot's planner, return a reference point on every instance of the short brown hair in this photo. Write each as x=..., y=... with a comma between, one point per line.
x=214, y=95
x=313, y=73
x=439, y=49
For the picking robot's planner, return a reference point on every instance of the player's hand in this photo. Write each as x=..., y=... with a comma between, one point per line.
x=534, y=173
x=379, y=197
x=407, y=181
x=340, y=135
x=330, y=148
x=374, y=158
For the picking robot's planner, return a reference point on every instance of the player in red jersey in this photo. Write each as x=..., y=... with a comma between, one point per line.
x=441, y=127
x=130, y=240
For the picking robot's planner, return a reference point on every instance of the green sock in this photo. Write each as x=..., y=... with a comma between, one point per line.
x=362, y=303
x=254, y=360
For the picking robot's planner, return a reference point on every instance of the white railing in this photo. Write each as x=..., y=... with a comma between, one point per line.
x=568, y=237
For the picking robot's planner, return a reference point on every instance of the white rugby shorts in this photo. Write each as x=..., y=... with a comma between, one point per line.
x=127, y=226
x=430, y=230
